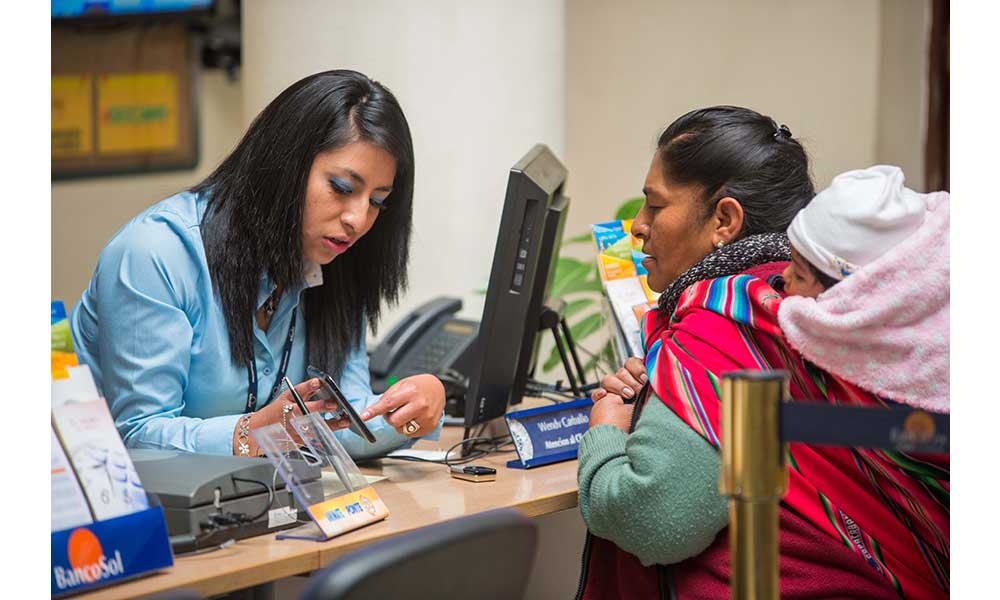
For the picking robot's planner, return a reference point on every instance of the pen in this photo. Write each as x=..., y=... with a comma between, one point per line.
x=296, y=396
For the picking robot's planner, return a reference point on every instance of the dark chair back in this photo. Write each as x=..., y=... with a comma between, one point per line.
x=488, y=555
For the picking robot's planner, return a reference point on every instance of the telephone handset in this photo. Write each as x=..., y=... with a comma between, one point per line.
x=428, y=340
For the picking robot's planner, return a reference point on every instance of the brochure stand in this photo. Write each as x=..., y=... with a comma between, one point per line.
x=107, y=552
x=351, y=505
x=103, y=528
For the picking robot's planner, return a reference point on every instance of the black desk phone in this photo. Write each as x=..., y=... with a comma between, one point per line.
x=431, y=339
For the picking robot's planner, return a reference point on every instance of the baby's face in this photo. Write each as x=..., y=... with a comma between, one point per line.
x=799, y=278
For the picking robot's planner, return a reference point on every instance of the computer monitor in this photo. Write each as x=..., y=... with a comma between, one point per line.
x=531, y=227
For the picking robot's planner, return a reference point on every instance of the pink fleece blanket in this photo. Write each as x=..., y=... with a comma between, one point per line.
x=885, y=328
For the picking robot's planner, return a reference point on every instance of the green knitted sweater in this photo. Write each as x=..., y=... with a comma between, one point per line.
x=654, y=492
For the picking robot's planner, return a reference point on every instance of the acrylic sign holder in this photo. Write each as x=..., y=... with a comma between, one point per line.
x=351, y=505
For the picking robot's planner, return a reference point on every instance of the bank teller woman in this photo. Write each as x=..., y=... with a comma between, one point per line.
x=280, y=259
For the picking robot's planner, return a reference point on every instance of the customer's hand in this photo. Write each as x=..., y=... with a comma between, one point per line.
x=626, y=382
x=611, y=410
x=276, y=413
x=419, y=398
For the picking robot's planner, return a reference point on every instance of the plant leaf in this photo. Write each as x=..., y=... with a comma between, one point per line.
x=583, y=328
x=579, y=239
x=605, y=355
x=629, y=209
x=589, y=284
x=575, y=306
x=570, y=275
x=551, y=361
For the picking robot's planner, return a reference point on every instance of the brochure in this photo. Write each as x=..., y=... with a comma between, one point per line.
x=61, y=343
x=84, y=425
x=69, y=507
x=73, y=384
x=619, y=259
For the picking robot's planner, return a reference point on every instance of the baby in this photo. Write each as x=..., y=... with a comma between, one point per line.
x=861, y=216
x=868, y=286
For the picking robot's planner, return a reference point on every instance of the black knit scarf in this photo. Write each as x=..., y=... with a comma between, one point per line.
x=730, y=259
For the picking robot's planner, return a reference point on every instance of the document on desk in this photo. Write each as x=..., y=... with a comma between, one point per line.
x=429, y=455
x=69, y=506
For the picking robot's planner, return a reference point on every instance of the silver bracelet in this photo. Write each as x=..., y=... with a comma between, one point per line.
x=286, y=408
x=243, y=437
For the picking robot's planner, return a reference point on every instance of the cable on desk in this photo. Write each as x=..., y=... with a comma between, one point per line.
x=550, y=391
x=270, y=497
x=220, y=521
x=495, y=445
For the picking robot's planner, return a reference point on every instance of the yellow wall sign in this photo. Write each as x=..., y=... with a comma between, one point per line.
x=137, y=112
x=72, y=120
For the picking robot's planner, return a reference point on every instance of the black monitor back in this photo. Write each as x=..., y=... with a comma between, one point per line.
x=523, y=266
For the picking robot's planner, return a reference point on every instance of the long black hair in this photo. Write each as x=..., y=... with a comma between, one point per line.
x=256, y=198
x=740, y=153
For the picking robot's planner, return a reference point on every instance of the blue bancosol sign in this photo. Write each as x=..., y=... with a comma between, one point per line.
x=109, y=551
x=548, y=434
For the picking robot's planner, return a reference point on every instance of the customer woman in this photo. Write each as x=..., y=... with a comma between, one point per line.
x=279, y=259
x=723, y=186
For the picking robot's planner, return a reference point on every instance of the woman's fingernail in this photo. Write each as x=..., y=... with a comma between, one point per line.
x=628, y=393
x=315, y=384
x=365, y=414
x=643, y=378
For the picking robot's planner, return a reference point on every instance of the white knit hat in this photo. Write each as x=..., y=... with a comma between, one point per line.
x=858, y=218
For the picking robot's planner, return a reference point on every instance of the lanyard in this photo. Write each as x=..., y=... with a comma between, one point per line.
x=252, y=370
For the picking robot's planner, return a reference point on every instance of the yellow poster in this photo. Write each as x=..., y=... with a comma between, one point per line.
x=72, y=120
x=137, y=112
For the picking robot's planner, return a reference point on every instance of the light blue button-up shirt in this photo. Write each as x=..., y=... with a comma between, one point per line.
x=152, y=330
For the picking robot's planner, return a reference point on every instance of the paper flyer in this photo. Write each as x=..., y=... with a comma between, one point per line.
x=73, y=384
x=62, y=342
x=105, y=471
x=69, y=507
x=619, y=259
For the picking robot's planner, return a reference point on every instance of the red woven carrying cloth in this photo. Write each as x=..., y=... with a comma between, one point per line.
x=890, y=508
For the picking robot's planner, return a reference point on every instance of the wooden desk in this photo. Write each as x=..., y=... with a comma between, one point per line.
x=417, y=494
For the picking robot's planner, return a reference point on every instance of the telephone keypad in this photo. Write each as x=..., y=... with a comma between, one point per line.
x=433, y=355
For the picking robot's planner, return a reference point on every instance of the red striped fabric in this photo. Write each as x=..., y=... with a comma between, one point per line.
x=888, y=507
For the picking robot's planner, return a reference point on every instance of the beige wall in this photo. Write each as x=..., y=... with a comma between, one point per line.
x=902, y=107
x=635, y=65
x=87, y=212
x=848, y=77
x=480, y=83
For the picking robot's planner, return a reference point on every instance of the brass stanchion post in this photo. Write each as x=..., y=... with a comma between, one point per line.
x=754, y=478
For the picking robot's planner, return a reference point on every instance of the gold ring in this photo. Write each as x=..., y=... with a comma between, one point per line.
x=411, y=427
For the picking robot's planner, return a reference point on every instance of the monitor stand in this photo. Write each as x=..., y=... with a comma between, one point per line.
x=551, y=318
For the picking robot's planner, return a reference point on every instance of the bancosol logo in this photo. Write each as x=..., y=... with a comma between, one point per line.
x=88, y=563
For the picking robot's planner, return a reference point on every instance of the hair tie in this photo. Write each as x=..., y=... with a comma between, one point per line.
x=782, y=129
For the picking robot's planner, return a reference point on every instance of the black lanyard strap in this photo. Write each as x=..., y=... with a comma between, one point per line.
x=252, y=370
